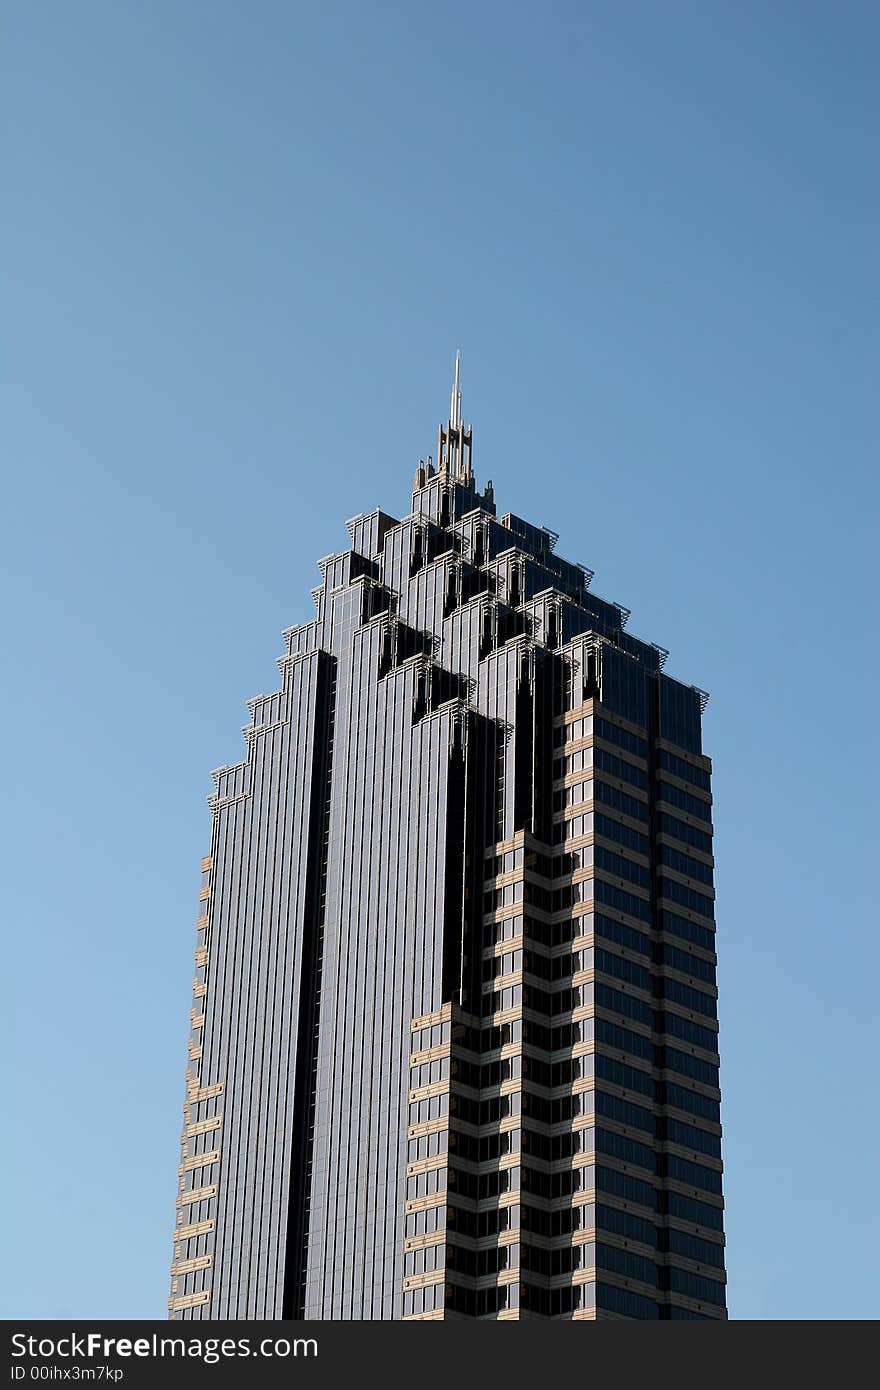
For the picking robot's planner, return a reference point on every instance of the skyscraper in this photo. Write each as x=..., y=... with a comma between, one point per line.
x=454, y=1048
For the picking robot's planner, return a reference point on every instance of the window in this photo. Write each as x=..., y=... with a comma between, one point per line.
x=683, y=1062
x=618, y=767
x=698, y=1213
x=623, y=1224
x=697, y=839
x=615, y=897
x=627, y=1150
x=679, y=1027
x=624, y=936
x=612, y=733
x=622, y=969
x=625, y=1112
x=690, y=1137
x=690, y=998
x=620, y=800
x=705, y=1252
x=612, y=999
x=680, y=768
x=697, y=935
x=693, y=1102
x=676, y=796
x=687, y=964
x=696, y=1286
x=622, y=867
x=684, y=864
x=627, y=1188
x=694, y=1174
x=687, y=897
x=624, y=834
x=624, y=1039
x=628, y=1078
x=631, y=1305
x=622, y=1262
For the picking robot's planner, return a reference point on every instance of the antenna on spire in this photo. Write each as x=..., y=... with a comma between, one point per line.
x=455, y=401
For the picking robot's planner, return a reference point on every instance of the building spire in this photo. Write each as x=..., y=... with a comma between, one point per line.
x=454, y=441
x=455, y=401
x=454, y=444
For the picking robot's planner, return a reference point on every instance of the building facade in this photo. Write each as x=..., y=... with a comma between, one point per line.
x=454, y=1042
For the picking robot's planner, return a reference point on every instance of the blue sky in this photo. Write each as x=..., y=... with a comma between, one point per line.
x=241, y=244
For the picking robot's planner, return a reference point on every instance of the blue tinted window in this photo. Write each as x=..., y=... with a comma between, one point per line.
x=679, y=767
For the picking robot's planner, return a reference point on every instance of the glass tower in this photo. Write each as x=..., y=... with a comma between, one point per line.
x=454, y=1044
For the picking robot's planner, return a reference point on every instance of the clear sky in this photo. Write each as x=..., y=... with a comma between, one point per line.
x=240, y=245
